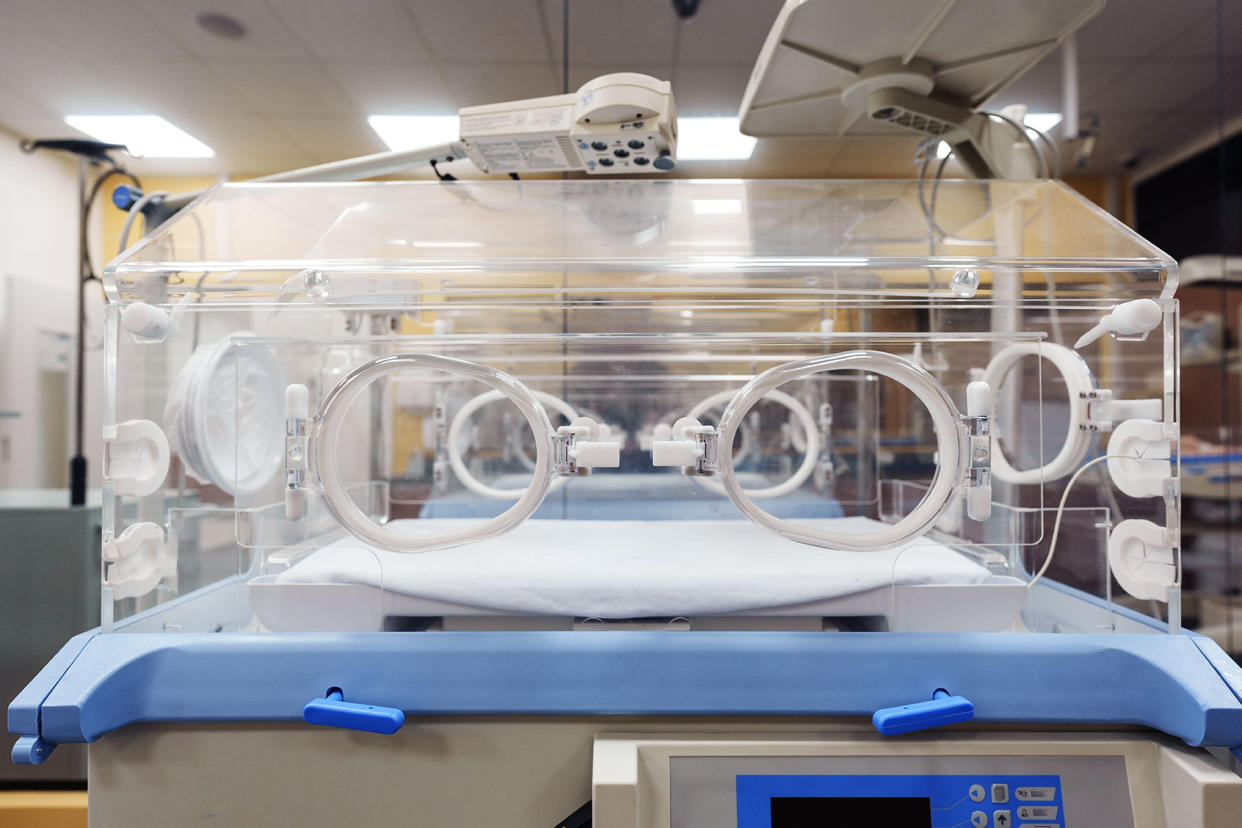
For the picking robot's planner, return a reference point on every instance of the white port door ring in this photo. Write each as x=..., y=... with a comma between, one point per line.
x=332, y=416
x=1078, y=383
x=950, y=467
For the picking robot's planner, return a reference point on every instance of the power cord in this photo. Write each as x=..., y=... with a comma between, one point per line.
x=1056, y=526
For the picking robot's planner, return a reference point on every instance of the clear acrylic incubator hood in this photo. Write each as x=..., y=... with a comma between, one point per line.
x=850, y=405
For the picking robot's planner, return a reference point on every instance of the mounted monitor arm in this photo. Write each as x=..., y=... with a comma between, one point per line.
x=857, y=68
x=619, y=123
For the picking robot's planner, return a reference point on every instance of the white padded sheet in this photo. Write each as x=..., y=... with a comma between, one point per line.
x=634, y=569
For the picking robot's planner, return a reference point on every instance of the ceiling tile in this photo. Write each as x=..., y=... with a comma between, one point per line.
x=376, y=30
x=70, y=89
x=267, y=37
x=728, y=30
x=605, y=31
x=394, y=88
x=706, y=89
x=1122, y=136
x=88, y=30
x=477, y=82
x=33, y=124
x=1153, y=86
x=482, y=30
x=291, y=87
x=1040, y=88
x=240, y=133
x=329, y=139
x=167, y=86
x=251, y=164
x=1199, y=39
x=1135, y=28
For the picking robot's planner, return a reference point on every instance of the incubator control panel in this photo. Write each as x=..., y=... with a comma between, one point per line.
x=910, y=791
x=913, y=800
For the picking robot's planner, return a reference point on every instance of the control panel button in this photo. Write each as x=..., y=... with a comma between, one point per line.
x=598, y=146
x=976, y=793
x=621, y=152
x=1036, y=794
x=1037, y=812
x=605, y=161
x=1002, y=819
x=1000, y=793
x=979, y=819
x=642, y=160
x=636, y=143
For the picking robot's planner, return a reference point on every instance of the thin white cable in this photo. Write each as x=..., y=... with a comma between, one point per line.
x=1078, y=383
x=804, y=418
x=133, y=213
x=459, y=422
x=950, y=467
x=1056, y=526
x=332, y=417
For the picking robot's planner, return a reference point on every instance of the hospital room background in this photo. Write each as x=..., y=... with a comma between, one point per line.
x=349, y=335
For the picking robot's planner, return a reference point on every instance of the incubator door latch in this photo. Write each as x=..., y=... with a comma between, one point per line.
x=297, y=449
x=978, y=421
x=1101, y=411
x=689, y=444
x=138, y=559
x=583, y=445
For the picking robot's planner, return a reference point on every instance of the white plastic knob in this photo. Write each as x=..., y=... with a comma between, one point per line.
x=979, y=399
x=297, y=401
x=146, y=321
x=979, y=502
x=675, y=452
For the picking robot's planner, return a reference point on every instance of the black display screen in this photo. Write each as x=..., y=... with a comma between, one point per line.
x=851, y=811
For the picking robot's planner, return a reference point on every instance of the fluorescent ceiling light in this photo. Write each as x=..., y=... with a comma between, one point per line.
x=712, y=139
x=408, y=132
x=1043, y=121
x=149, y=136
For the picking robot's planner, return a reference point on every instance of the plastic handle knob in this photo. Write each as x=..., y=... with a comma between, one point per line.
x=31, y=750
x=943, y=709
x=334, y=711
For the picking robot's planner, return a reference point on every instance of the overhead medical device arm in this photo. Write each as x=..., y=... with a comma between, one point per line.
x=923, y=67
x=619, y=123
x=350, y=169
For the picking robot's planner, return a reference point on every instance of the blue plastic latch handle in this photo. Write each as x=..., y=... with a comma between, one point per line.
x=334, y=711
x=943, y=709
x=31, y=750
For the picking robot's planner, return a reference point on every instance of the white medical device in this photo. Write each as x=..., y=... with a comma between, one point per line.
x=624, y=122
x=834, y=68
x=619, y=123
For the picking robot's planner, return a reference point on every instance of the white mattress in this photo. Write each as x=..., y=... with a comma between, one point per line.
x=633, y=569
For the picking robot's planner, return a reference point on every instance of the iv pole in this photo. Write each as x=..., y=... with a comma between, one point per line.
x=89, y=154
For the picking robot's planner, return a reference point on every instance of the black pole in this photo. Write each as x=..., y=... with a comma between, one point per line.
x=77, y=464
x=88, y=154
